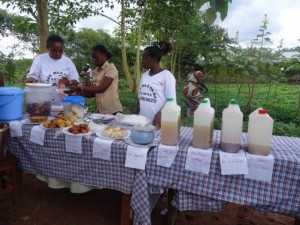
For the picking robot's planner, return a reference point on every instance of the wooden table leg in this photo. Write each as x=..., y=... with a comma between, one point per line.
x=172, y=211
x=297, y=221
x=126, y=211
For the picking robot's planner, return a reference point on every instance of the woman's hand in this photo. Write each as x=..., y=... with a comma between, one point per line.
x=73, y=89
x=30, y=80
x=157, y=120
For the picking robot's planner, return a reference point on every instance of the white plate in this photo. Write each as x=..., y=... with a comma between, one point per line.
x=27, y=121
x=65, y=131
x=155, y=142
x=99, y=134
x=101, y=116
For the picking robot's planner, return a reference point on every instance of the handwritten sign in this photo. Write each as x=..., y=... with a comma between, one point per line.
x=136, y=157
x=102, y=148
x=166, y=155
x=260, y=167
x=15, y=128
x=37, y=135
x=198, y=160
x=233, y=163
x=73, y=144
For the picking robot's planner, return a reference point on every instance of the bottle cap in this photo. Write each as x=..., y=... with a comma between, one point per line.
x=170, y=99
x=262, y=111
x=204, y=101
x=233, y=102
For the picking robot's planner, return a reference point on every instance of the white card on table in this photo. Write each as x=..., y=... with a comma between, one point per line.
x=102, y=148
x=37, y=135
x=198, y=160
x=233, y=163
x=15, y=128
x=260, y=167
x=166, y=155
x=73, y=144
x=136, y=157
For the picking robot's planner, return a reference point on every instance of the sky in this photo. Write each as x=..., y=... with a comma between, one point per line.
x=244, y=16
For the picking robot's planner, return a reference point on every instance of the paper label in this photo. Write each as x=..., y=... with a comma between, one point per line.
x=136, y=157
x=15, y=128
x=37, y=135
x=198, y=160
x=260, y=167
x=102, y=149
x=233, y=163
x=166, y=155
x=73, y=144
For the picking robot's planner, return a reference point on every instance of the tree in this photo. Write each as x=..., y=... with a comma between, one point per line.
x=56, y=15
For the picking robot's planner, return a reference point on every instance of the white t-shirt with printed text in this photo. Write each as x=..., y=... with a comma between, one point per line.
x=154, y=91
x=49, y=71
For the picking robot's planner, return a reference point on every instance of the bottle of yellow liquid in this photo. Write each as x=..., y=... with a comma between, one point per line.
x=170, y=122
x=232, y=124
x=203, y=125
x=260, y=128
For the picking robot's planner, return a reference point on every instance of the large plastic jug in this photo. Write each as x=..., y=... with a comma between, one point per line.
x=260, y=129
x=170, y=122
x=232, y=124
x=203, y=125
x=38, y=99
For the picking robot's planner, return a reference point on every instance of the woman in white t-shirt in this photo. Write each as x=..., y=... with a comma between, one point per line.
x=156, y=85
x=52, y=66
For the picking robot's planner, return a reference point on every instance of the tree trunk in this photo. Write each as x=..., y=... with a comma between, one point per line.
x=123, y=43
x=179, y=68
x=299, y=104
x=138, y=52
x=43, y=26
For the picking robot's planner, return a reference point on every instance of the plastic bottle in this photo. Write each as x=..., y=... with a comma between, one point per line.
x=232, y=124
x=170, y=122
x=260, y=129
x=203, y=125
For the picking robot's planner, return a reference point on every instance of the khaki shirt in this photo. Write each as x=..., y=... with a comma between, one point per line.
x=107, y=102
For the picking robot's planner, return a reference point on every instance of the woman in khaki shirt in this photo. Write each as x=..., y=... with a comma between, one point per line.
x=105, y=80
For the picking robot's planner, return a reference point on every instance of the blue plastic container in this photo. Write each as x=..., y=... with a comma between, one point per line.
x=11, y=103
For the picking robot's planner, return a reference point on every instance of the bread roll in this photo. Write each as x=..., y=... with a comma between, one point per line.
x=107, y=131
x=118, y=134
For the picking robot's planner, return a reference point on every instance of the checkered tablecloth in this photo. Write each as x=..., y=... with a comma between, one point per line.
x=282, y=195
x=52, y=160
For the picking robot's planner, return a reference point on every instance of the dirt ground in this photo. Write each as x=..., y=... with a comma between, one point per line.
x=41, y=205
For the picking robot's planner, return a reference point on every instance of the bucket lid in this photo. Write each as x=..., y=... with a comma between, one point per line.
x=73, y=99
x=10, y=91
x=38, y=85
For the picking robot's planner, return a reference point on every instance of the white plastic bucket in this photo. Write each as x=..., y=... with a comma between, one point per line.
x=11, y=103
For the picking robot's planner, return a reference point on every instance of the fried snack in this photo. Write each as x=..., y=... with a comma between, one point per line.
x=58, y=122
x=79, y=129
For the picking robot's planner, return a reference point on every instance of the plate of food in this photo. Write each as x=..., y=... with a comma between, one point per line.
x=36, y=120
x=59, y=122
x=155, y=142
x=113, y=133
x=101, y=118
x=78, y=130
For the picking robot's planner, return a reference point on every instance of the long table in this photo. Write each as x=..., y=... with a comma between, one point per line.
x=192, y=190
x=52, y=160
x=197, y=191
